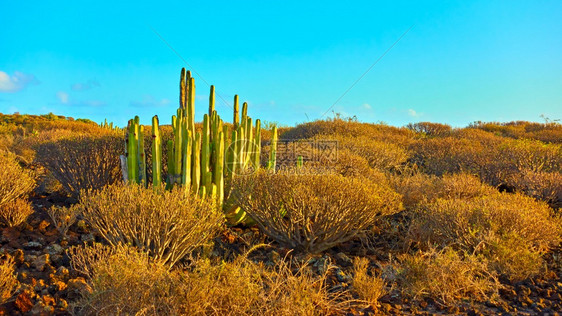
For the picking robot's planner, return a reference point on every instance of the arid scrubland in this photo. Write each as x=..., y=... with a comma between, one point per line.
x=423, y=218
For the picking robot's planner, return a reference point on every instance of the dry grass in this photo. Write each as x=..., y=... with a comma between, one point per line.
x=15, y=212
x=8, y=281
x=125, y=281
x=430, y=129
x=15, y=182
x=83, y=162
x=511, y=230
x=446, y=275
x=168, y=225
x=369, y=287
x=313, y=213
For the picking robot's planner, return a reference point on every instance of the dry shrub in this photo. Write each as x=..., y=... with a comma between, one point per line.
x=313, y=213
x=545, y=186
x=168, y=224
x=418, y=187
x=83, y=162
x=369, y=287
x=550, y=132
x=15, y=212
x=129, y=282
x=430, y=129
x=503, y=227
x=347, y=128
x=8, y=281
x=15, y=182
x=63, y=217
x=446, y=275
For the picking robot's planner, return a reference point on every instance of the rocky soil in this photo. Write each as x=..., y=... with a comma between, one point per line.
x=48, y=284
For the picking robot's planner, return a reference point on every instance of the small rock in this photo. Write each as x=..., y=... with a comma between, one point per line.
x=88, y=238
x=274, y=256
x=41, y=309
x=340, y=275
x=62, y=304
x=54, y=249
x=78, y=286
x=343, y=260
x=41, y=261
x=34, y=245
x=62, y=273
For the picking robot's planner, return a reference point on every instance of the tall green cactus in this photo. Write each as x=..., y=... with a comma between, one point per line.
x=197, y=160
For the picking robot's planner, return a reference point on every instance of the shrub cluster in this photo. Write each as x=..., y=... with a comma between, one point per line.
x=168, y=225
x=15, y=184
x=83, y=162
x=314, y=212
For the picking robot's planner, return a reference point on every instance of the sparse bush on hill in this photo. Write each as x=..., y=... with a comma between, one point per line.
x=446, y=275
x=510, y=230
x=168, y=225
x=83, y=162
x=545, y=186
x=430, y=129
x=313, y=213
x=550, y=132
x=15, y=181
x=126, y=281
x=15, y=212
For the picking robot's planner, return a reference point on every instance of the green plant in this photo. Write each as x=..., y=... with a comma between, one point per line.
x=199, y=161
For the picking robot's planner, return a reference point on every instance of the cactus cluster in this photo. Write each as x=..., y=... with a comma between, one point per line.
x=199, y=161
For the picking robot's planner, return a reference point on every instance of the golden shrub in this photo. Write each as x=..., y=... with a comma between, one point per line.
x=8, y=281
x=545, y=186
x=369, y=287
x=489, y=225
x=446, y=275
x=125, y=281
x=430, y=129
x=83, y=162
x=15, y=182
x=168, y=225
x=15, y=212
x=314, y=212
x=63, y=217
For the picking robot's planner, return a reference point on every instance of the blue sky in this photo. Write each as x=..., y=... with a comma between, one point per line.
x=290, y=60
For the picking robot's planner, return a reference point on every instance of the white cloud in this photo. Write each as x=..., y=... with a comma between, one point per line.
x=85, y=86
x=63, y=97
x=413, y=113
x=16, y=82
x=366, y=106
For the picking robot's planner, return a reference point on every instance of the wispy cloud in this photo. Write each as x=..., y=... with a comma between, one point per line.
x=413, y=113
x=149, y=101
x=16, y=82
x=366, y=106
x=85, y=85
x=63, y=97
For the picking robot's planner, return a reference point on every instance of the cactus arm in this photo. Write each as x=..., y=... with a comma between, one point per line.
x=212, y=100
x=273, y=150
x=236, y=119
x=142, y=157
x=257, y=145
x=196, y=164
x=156, y=154
x=218, y=174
